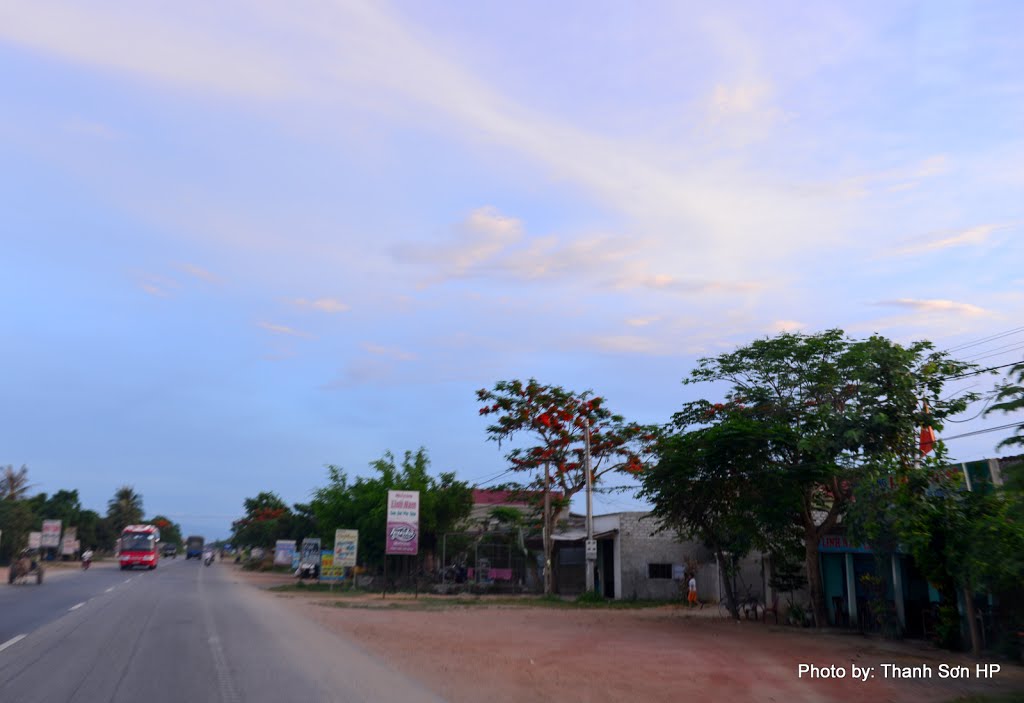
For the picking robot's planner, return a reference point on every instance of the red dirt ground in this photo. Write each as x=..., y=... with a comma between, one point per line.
x=512, y=653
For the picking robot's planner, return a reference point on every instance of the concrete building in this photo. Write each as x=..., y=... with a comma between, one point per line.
x=636, y=560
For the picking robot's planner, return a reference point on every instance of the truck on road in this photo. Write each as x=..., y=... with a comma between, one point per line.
x=194, y=547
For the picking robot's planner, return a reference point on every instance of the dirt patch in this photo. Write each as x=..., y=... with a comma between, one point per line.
x=504, y=653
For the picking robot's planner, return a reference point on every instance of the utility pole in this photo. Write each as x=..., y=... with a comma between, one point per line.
x=591, y=545
x=547, y=530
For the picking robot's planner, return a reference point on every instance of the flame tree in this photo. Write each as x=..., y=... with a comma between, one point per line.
x=551, y=422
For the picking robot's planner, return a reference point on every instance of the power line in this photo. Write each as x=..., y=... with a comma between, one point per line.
x=998, y=353
x=983, y=340
x=979, y=371
x=984, y=431
x=1009, y=347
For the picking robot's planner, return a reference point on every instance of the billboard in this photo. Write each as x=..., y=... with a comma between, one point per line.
x=310, y=551
x=68, y=542
x=346, y=545
x=330, y=570
x=35, y=540
x=403, y=527
x=51, y=533
x=284, y=549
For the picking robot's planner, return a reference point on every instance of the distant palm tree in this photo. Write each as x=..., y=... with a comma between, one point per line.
x=125, y=508
x=14, y=484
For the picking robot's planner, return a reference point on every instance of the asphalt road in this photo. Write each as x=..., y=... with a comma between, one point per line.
x=184, y=632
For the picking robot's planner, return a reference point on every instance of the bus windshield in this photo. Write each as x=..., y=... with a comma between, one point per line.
x=137, y=542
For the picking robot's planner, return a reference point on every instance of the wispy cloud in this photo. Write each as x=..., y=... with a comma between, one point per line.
x=91, y=129
x=284, y=329
x=642, y=321
x=947, y=239
x=200, y=273
x=937, y=305
x=157, y=286
x=328, y=305
x=389, y=352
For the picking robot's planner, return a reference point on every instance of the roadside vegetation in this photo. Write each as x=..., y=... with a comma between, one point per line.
x=22, y=512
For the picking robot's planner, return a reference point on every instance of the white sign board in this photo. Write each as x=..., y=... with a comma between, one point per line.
x=591, y=549
x=68, y=542
x=346, y=544
x=35, y=540
x=284, y=549
x=51, y=533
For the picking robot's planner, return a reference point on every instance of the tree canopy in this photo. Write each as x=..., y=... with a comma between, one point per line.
x=820, y=410
x=362, y=503
x=124, y=509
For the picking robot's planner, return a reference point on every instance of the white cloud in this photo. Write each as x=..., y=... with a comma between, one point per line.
x=642, y=321
x=200, y=273
x=937, y=241
x=718, y=212
x=629, y=344
x=389, y=352
x=328, y=305
x=938, y=305
x=171, y=47
x=283, y=329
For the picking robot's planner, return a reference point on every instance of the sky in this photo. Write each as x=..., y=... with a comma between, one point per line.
x=240, y=241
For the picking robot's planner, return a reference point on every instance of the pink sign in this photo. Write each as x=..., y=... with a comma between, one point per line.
x=403, y=525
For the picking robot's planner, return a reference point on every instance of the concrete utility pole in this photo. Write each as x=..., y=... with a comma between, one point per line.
x=591, y=545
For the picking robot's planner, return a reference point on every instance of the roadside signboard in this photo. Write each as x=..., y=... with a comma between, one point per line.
x=330, y=570
x=403, y=525
x=68, y=541
x=35, y=540
x=51, y=533
x=346, y=545
x=283, y=551
x=310, y=551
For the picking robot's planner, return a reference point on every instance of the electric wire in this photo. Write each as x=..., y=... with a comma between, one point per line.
x=983, y=340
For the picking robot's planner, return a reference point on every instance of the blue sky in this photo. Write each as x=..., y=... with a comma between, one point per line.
x=245, y=240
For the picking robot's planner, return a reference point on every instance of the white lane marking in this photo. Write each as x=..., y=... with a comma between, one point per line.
x=76, y=607
x=109, y=590
x=14, y=640
x=127, y=580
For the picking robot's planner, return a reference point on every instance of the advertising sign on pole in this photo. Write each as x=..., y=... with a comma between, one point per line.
x=35, y=540
x=68, y=541
x=51, y=533
x=310, y=552
x=283, y=551
x=403, y=526
x=330, y=570
x=346, y=544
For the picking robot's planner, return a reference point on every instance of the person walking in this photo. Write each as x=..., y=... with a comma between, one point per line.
x=691, y=597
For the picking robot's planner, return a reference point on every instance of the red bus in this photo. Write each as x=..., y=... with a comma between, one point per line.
x=138, y=546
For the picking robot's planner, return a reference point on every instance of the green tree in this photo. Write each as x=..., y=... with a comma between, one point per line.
x=16, y=521
x=1010, y=395
x=719, y=484
x=835, y=407
x=964, y=541
x=552, y=421
x=63, y=505
x=362, y=503
x=14, y=483
x=125, y=508
x=170, y=531
x=267, y=519
x=94, y=532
